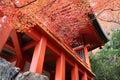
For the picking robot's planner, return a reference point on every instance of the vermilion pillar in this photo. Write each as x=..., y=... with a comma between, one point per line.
x=84, y=77
x=38, y=56
x=86, y=55
x=4, y=34
x=75, y=73
x=19, y=54
x=60, y=68
x=92, y=79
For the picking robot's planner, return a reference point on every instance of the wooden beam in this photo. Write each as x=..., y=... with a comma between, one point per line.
x=29, y=45
x=13, y=58
x=53, y=48
x=69, y=61
x=60, y=68
x=50, y=57
x=33, y=34
x=78, y=48
x=75, y=73
x=10, y=59
x=38, y=56
x=81, y=70
x=20, y=62
x=9, y=46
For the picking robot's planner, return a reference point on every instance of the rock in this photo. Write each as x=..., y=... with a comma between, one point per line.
x=31, y=76
x=7, y=71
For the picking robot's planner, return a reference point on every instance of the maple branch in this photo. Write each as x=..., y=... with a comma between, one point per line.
x=107, y=9
x=108, y=20
x=117, y=22
x=26, y=4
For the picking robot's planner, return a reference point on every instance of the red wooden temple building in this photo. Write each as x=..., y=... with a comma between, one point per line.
x=58, y=43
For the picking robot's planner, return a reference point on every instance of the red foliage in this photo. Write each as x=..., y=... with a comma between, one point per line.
x=64, y=18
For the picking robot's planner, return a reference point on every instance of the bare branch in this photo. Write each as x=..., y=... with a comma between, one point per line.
x=107, y=10
x=114, y=21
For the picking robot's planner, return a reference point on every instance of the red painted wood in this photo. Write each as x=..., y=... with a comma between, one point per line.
x=29, y=45
x=78, y=48
x=17, y=45
x=87, y=55
x=4, y=34
x=50, y=57
x=13, y=58
x=33, y=34
x=92, y=79
x=53, y=48
x=60, y=68
x=84, y=77
x=75, y=73
x=9, y=46
x=38, y=56
x=69, y=61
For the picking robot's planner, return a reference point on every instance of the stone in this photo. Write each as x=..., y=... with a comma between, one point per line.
x=7, y=71
x=31, y=76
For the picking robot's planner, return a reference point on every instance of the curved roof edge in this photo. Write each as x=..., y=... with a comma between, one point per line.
x=98, y=28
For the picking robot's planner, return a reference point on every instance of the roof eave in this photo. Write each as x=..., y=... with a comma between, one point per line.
x=98, y=28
